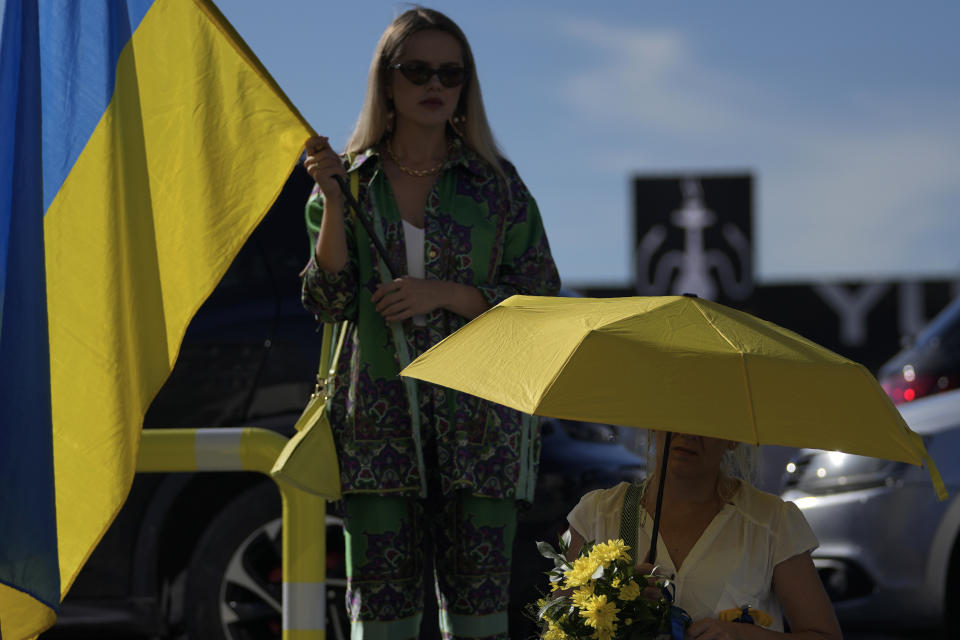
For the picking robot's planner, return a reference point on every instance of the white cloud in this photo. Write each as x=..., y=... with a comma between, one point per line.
x=649, y=79
x=863, y=202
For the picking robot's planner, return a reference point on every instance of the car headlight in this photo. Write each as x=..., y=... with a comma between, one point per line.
x=832, y=471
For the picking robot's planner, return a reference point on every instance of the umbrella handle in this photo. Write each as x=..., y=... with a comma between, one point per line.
x=352, y=202
x=656, y=515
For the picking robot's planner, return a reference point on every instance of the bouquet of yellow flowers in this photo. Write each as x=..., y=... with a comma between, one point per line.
x=601, y=596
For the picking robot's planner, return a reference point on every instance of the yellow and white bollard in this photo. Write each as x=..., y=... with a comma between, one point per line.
x=304, y=515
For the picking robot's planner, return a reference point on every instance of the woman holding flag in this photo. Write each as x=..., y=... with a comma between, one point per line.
x=424, y=469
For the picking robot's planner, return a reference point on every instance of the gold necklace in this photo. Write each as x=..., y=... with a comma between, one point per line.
x=418, y=173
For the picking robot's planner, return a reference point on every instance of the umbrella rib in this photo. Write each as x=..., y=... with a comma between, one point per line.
x=743, y=367
x=553, y=380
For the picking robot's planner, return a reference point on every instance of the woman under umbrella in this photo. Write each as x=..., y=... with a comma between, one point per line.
x=724, y=544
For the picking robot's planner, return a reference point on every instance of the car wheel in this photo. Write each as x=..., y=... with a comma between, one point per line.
x=235, y=580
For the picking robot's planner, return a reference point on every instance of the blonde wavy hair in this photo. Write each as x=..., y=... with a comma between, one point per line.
x=373, y=121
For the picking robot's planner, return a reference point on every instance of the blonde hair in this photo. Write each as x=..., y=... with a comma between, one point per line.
x=373, y=121
x=742, y=462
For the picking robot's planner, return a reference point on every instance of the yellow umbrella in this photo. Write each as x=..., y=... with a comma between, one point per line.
x=675, y=363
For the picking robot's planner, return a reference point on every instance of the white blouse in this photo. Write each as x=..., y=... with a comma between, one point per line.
x=732, y=563
x=413, y=238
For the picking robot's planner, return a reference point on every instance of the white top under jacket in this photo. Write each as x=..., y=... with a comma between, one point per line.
x=413, y=239
x=732, y=563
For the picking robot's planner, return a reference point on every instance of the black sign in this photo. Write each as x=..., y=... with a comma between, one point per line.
x=694, y=234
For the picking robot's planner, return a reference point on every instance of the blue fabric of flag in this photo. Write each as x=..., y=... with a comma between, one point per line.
x=80, y=43
x=28, y=555
x=57, y=76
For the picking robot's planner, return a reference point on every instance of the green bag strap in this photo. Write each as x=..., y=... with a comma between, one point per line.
x=333, y=334
x=403, y=352
x=333, y=337
x=630, y=517
x=527, y=477
x=324, y=365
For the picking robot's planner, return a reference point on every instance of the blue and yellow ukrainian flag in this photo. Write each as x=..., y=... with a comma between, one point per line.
x=140, y=144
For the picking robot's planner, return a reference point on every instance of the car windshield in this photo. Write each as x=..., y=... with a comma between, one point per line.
x=945, y=324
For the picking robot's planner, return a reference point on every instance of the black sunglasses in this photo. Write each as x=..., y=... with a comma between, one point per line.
x=420, y=73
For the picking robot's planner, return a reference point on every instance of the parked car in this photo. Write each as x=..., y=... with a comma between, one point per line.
x=930, y=364
x=889, y=553
x=197, y=555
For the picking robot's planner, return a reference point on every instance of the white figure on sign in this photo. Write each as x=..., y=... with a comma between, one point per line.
x=690, y=269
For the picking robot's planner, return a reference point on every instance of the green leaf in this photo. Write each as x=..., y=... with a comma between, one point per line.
x=547, y=551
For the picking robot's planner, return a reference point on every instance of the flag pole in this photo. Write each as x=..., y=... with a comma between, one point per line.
x=352, y=202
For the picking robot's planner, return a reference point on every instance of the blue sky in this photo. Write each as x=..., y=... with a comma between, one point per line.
x=847, y=114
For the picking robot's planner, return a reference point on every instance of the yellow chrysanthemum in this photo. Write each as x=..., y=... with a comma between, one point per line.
x=602, y=634
x=630, y=591
x=616, y=582
x=581, y=595
x=600, y=614
x=554, y=632
x=581, y=571
x=610, y=551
